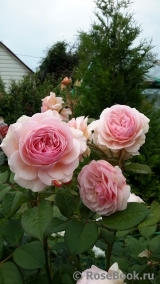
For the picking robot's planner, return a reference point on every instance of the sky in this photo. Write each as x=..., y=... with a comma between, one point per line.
x=29, y=27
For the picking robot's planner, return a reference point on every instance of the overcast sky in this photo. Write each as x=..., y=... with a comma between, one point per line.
x=28, y=27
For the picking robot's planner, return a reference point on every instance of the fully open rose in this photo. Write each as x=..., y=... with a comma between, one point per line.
x=41, y=149
x=95, y=275
x=121, y=127
x=103, y=188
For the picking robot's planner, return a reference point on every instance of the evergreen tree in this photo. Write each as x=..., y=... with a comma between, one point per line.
x=111, y=67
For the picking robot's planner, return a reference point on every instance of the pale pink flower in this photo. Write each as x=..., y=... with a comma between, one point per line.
x=103, y=188
x=95, y=275
x=41, y=149
x=134, y=198
x=55, y=103
x=122, y=127
x=80, y=123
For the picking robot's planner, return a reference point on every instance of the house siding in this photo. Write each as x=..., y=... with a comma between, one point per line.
x=10, y=67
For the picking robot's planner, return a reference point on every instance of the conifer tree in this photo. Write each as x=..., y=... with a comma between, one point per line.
x=112, y=67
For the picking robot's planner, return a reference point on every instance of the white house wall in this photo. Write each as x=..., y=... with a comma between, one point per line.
x=10, y=67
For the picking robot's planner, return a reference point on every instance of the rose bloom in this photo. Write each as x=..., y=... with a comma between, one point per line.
x=95, y=275
x=55, y=103
x=80, y=123
x=103, y=188
x=41, y=149
x=135, y=198
x=122, y=127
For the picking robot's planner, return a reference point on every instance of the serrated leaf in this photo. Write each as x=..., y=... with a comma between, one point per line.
x=4, y=188
x=56, y=225
x=36, y=220
x=9, y=274
x=126, y=219
x=107, y=236
x=65, y=202
x=154, y=243
x=12, y=232
x=83, y=238
x=147, y=232
x=4, y=177
x=12, y=201
x=138, y=168
x=152, y=218
x=30, y=256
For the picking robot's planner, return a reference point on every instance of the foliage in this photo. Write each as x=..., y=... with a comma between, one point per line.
x=111, y=66
x=59, y=61
x=24, y=97
x=2, y=87
x=149, y=187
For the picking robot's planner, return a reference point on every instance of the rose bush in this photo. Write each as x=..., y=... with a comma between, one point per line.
x=67, y=198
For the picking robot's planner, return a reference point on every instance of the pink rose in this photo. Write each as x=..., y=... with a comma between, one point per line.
x=80, y=123
x=122, y=127
x=41, y=149
x=134, y=198
x=95, y=275
x=55, y=103
x=103, y=188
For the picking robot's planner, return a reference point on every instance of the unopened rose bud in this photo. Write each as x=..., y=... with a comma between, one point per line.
x=77, y=83
x=56, y=183
x=62, y=87
x=66, y=81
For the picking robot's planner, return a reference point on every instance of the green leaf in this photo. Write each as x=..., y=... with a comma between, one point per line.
x=121, y=234
x=30, y=256
x=156, y=254
x=65, y=202
x=122, y=262
x=3, y=189
x=126, y=219
x=36, y=220
x=152, y=218
x=9, y=274
x=56, y=225
x=11, y=178
x=154, y=243
x=58, y=246
x=1, y=247
x=107, y=236
x=85, y=211
x=4, y=177
x=138, y=168
x=135, y=246
x=12, y=201
x=66, y=279
x=80, y=236
x=12, y=232
x=147, y=232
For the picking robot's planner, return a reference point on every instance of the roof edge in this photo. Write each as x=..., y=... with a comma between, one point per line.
x=16, y=57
